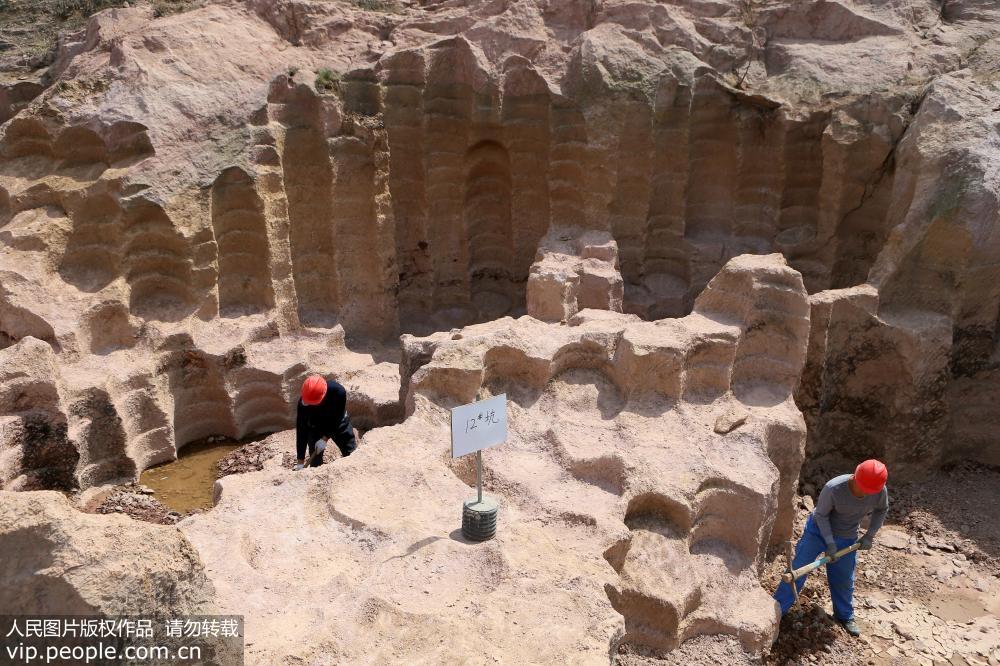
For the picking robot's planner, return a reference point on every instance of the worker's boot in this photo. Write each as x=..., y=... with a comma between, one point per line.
x=851, y=627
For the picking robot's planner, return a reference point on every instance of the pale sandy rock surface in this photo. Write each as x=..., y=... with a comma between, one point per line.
x=59, y=561
x=595, y=472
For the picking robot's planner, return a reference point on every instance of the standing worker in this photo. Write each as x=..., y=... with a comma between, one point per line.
x=833, y=525
x=322, y=415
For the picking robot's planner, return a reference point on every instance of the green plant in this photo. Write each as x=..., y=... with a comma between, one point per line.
x=748, y=12
x=168, y=7
x=64, y=9
x=327, y=80
x=376, y=5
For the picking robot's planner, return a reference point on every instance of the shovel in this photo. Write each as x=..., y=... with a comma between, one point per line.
x=792, y=575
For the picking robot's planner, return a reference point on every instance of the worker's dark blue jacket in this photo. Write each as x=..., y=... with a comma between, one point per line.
x=323, y=420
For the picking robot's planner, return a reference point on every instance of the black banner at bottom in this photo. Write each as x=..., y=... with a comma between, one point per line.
x=212, y=640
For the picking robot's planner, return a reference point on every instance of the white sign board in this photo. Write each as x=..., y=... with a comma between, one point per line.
x=479, y=425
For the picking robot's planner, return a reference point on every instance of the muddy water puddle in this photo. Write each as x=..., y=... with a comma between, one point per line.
x=186, y=483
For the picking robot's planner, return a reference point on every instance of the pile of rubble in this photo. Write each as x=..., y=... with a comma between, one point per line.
x=136, y=501
x=248, y=458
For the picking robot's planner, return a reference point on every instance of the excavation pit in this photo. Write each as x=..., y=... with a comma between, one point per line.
x=708, y=248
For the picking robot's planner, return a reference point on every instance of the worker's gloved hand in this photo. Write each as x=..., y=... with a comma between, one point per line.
x=831, y=551
x=319, y=446
x=866, y=542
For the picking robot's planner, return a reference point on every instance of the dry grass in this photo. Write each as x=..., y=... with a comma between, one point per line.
x=29, y=28
x=377, y=5
x=67, y=9
x=327, y=80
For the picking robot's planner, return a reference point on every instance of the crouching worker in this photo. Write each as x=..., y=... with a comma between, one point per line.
x=322, y=415
x=843, y=503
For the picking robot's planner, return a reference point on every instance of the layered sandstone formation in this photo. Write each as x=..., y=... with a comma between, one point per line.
x=668, y=450
x=411, y=192
x=574, y=270
x=905, y=366
x=198, y=210
x=106, y=417
x=192, y=179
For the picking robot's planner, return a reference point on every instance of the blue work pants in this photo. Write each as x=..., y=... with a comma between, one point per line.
x=839, y=574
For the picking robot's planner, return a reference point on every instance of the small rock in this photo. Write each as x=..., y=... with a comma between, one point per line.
x=730, y=420
x=884, y=632
x=893, y=539
x=939, y=544
x=944, y=572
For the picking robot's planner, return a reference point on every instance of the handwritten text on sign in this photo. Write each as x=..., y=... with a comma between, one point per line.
x=478, y=426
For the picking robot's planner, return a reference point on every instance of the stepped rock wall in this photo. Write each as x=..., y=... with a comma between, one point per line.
x=668, y=450
x=411, y=191
x=662, y=228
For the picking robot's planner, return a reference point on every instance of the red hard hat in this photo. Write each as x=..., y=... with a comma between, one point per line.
x=870, y=477
x=313, y=390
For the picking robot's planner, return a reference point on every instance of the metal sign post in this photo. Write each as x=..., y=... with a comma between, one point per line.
x=474, y=427
x=479, y=476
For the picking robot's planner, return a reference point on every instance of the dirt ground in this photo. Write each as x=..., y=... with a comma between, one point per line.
x=133, y=500
x=248, y=458
x=928, y=593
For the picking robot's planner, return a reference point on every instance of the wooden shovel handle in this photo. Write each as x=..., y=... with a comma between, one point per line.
x=812, y=566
